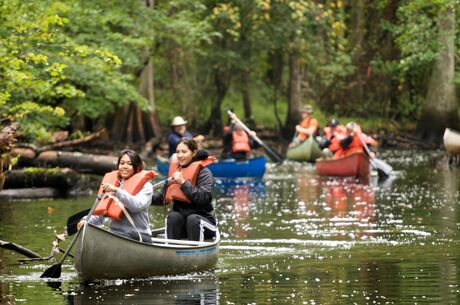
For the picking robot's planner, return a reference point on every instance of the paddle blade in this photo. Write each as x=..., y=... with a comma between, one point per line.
x=73, y=220
x=52, y=272
x=383, y=169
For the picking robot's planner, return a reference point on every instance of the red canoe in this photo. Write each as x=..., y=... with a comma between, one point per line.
x=353, y=165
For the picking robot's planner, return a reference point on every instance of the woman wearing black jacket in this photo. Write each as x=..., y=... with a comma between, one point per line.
x=189, y=190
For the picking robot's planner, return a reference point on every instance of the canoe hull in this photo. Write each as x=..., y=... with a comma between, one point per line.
x=308, y=151
x=103, y=255
x=354, y=165
x=252, y=168
x=451, y=141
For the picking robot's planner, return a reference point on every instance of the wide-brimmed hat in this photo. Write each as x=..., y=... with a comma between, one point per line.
x=307, y=109
x=177, y=121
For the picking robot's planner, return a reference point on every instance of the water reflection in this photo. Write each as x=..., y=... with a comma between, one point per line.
x=240, y=192
x=158, y=291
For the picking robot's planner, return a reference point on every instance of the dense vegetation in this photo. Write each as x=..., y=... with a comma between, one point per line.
x=81, y=65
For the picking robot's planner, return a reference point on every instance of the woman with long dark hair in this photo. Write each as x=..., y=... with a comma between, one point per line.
x=189, y=190
x=126, y=199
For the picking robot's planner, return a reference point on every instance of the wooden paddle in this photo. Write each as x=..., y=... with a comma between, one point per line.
x=273, y=154
x=55, y=270
x=73, y=220
x=383, y=169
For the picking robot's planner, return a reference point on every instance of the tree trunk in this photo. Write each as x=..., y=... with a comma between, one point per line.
x=295, y=93
x=357, y=36
x=60, y=178
x=222, y=83
x=440, y=109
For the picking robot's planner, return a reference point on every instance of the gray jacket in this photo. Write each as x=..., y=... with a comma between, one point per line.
x=137, y=207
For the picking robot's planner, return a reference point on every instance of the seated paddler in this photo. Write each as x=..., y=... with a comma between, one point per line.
x=236, y=141
x=308, y=127
x=189, y=190
x=126, y=198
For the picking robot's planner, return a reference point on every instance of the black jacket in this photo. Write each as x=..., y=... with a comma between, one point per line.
x=200, y=194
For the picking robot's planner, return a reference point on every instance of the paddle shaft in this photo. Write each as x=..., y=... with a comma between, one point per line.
x=384, y=169
x=73, y=220
x=258, y=140
x=98, y=198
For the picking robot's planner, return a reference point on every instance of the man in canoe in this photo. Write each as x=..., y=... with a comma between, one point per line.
x=179, y=131
x=353, y=140
x=237, y=142
x=189, y=192
x=332, y=130
x=127, y=194
x=308, y=127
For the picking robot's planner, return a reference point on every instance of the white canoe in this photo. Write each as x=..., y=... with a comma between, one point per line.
x=452, y=141
x=101, y=254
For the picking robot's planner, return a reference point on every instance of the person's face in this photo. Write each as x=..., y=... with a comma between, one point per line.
x=180, y=129
x=305, y=115
x=184, y=154
x=125, y=167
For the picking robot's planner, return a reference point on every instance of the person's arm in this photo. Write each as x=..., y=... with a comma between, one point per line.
x=201, y=193
x=138, y=202
x=158, y=197
x=346, y=141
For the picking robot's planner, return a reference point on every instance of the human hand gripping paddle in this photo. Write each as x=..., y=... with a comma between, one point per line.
x=273, y=154
x=55, y=270
x=383, y=169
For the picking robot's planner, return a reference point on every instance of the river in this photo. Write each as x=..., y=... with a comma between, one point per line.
x=293, y=238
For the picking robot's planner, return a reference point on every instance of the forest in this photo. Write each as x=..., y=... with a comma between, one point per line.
x=131, y=66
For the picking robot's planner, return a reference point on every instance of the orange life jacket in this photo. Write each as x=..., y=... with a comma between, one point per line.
x=107, y=206
x=310, y=123
x=356, y=144
x=173, y=191
x=240, y=142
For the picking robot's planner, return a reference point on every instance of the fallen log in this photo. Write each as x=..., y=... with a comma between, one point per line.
x=30, y=193
x=61, y=178
x=86, y=163
x=62, y=144
x=20, y=249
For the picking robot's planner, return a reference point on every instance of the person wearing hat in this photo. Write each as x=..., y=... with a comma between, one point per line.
x=332, y=130
x=179, y=131
x=351, y=141
x=307, y=127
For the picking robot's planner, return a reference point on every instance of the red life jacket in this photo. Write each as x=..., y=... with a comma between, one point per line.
x=107, y=206
x=173, y=192
x=240, y=142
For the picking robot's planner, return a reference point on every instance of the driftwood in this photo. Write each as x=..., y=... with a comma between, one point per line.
x=37, y=150
x=87, y=163
x=20, y=249
x=33, y=256
x=30, y=193
x=61, y=178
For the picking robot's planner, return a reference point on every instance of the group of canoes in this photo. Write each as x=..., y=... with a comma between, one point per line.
x=143, y=253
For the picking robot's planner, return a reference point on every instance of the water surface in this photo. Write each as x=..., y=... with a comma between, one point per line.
x=293, y=238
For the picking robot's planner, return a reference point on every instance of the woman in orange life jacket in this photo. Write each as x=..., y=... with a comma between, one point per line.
x=129, y=186
x=351, y=141
x=308, y=127
x=237, y=142
x=189, y=190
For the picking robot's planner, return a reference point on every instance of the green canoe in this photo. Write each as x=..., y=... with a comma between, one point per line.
x=308, y=151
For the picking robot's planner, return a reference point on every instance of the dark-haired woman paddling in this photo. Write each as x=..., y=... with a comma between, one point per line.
x=127, y=198
x=189, y=189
